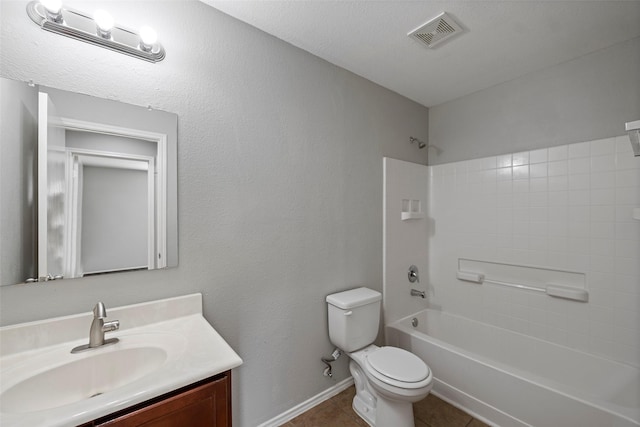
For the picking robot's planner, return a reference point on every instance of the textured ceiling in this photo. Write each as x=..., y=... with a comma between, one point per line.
x=502, y=41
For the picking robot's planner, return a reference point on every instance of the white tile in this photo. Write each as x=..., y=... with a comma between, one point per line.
x=539, y=244
x=560, y=167
x=623, y=145
x=538, y=184
x=521, y=172
x=558, y=213
x=578, y=241
x=538, y=214
x=538, y=170
x=559, y=198
x=579, y=229
x=628, y=196
x=520, y=185
x=603, y=197
x=503, y=174
x=623, y=300
x=559, y=183
x=601, y=147
x=504, y=161
x=628, y=266
x=624, y=213
x=627, y=319
x=473, y=165
x=580, y=149
x=627, y=284
x=603, y=247
x=558, y=153
x=627, y=160
x=557, y=244
x=601, y=180
x=603, y=213
x=579, y=182
x=504, y=187
x=579, y=165
x=628, y=178
x=601, y=263
x=448, y=168
x=604, y=163
x=520, y=242
x=558, y=228
x=538, y=156
x=539, y=229
x=628, y=249
x=579, y=197
x=521, y=214
x=627, y=230
x=603, y=230
x=579, y=213
x=520, y=158
x=488, y=163
x=539, y=199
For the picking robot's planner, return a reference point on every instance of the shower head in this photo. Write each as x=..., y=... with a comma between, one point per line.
x=420, y=143
x=633, y=129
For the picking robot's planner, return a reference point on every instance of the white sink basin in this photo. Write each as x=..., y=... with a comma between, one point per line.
x=163, y=345
x=68, y=378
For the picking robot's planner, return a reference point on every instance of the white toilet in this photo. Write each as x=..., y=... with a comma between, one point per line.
x=388, y=379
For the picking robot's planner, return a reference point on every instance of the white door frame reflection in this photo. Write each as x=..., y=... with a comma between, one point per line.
x=60, y=205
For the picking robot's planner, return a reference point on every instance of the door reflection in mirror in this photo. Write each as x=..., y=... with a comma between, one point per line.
x=104, y=205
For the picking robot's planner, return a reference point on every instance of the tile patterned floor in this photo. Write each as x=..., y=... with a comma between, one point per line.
x=337, y=412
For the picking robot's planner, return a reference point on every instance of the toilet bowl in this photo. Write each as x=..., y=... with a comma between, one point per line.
x=391, y=380
x=388, y=380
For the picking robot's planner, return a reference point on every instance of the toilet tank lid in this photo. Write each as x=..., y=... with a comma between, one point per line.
x=354, y=298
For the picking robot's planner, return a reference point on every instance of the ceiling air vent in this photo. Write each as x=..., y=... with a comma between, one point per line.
x=436, y=31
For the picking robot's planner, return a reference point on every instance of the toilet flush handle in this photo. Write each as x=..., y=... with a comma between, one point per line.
x=348, y=313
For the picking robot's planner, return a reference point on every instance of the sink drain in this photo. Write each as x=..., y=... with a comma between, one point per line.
x=94, y=395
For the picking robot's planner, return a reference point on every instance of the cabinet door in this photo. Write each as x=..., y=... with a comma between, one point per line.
x=204, y=406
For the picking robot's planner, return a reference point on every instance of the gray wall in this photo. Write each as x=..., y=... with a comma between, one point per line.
x=279, y=184
x=581, y=100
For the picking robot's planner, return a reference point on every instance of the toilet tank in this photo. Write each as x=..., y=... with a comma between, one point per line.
x=354, y=318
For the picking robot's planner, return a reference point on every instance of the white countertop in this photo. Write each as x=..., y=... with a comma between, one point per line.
x=198, y=352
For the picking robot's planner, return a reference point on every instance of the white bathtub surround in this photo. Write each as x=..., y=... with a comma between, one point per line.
x=509, y=379
x=405, y=236
x=567, y=208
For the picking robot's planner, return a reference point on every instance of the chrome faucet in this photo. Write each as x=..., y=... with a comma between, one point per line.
x=98, y=328
x=417, y=293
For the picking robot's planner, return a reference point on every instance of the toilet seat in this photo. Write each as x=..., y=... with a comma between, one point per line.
x=397, y=367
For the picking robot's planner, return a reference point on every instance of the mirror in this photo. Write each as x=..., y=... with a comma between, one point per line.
x=88, y=185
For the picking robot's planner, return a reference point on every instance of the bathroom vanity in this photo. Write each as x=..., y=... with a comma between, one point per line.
x=204, y=404
x=168, y=366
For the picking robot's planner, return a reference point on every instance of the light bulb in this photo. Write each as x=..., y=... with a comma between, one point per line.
x=148, y=37
x=104, y=22
x=53, y=9
x=52, y=6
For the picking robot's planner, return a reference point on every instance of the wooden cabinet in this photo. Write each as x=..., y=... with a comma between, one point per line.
x=204, y=404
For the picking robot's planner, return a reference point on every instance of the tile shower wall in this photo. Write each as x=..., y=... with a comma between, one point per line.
x=569, y=208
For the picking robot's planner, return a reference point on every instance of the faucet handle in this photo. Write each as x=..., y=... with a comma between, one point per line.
x=99, y=311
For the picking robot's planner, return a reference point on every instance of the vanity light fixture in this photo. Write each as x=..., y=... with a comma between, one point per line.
x=104, y=23
x=100, y=30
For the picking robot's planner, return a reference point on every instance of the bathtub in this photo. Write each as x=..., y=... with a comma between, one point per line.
x=509, y=379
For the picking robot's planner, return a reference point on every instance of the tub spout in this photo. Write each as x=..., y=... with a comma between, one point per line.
x=417, y=293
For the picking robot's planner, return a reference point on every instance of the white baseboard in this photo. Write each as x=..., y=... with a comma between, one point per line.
x=308, y=404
